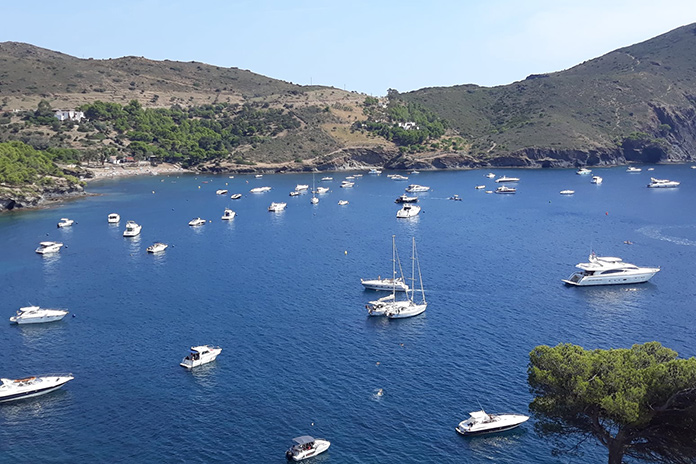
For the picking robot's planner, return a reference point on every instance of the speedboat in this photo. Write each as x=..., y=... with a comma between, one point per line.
x=113, y=218
x=374, y=171
x=200, y=355
x=301, y=187
x=277, y=207
x=567, y=192
x=480, y=422
x=596, y=180
x=322, y=189
x=157, y=247
x=415, y=172
x=455, y=197
x=490, y=175
x=417, y=188
x=228, y=214
x=295, y=193
x=507, y=179
x=605, y=270
x=633, y=169
x=195, y=222
x=65, y=222
x=480, y=187
x=662, y=183
x=260, y=189
x=314, y=200
x=236, y=196
x=347, y=184
x=132, y=229
x=408, y=211
x=342, y=202
x=583, y=171
x=388, y=285
x=258, y=176
x=406, y=199
x=12, y=390
x=398, y=177
x=350, y=177
x=48, y=247
x=221, y=192
x=306, y=447
x=504, y=189
x=327, y=179
x=37, y=315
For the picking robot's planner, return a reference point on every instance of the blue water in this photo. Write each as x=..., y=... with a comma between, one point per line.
x=281, y=294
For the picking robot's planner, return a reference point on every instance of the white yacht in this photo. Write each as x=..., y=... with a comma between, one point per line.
x=342, y=202
x=406, y=199
x=567, y=192
x=662, y=183
x=221, y=192
x=347, y=184
x=48, y=247
x=306, y=447
x=507, y=179
x=414, y=172
x=398, y=177
x=417, y=188
x=314, y=200
x=258, y=176
x=11, y=390
x=301, y=187
x=260, y=189
x=350, y=177
x=132, y=229
x=596, y=180
x=65, y=222
x=504, y=189
x=195, y=222
x=480, y=187
x=236, y=196
x=409, y=308
x=200, y=355
x=605, y=270
x=322, y=189
x=157, y=247
x=327, y=179
x=395, y=284
x=277, y=207
x=490, y=175
x=583, y=171
x=113, y=218
x=633, y=169
x=228, y=214
x=295, y=193
x=37, y=315
x=409, y=210
x=374, y=171
x=479, y=422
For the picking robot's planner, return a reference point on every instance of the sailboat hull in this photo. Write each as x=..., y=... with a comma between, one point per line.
x=403, y=312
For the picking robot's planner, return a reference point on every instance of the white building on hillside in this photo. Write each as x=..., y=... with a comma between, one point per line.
x=72, y=115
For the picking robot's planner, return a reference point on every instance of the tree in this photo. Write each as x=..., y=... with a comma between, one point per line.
x=638, y=402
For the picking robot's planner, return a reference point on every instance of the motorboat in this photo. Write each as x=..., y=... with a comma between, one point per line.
x=490, y=175
x=633, y=169
x=200, y=355
x=113, y=218
x=236, y=196
x=583, y=171
x=48, y=247
x=327, y=179
x=480, y=422
x=37, y=315
x=605, y=270
x=350, y=177
x=398, y=177
x=314, y=200
x=480, y=187
x=157, y=247
x=347, y=184
x=415, y=172
x=596, y=180
x=567, y=192
x=195, y=222
x=260, y=189
x=306, y=447
x=19, y=389
x=417, y=188
x=406, y=199
x=221, y=192
x=301, y=187
x=409, y=308
x=65, y=222
x=409, y=210
x=504, y=189
x=277, y=207
x=228, y=214
x=374, y=171
x=295, y=193
x=322, y=190
x=394, y=284
x=342, y=202
x=357, y=175
x=662, y=183
x=132, y=229
x=507, y=179
x=455, y=197
x=258, y=176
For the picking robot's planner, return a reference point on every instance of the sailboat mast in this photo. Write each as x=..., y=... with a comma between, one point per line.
x=393, y=268
x=420, y=276
x=413, y=269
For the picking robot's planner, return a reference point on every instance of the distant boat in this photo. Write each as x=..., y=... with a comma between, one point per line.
x=236, y=196
x=277, y=207
x=633, y=169
x=322, y=189
x=490, y=175
x=196, y=222
x=132, y=229
x=260, y=189
x=567, y=192
x=504, y=189
x=221, y=192
x=507, y=179
x=398, y=177
x=228, y=214
x=48, y=247
x=342, y=202
x=409, y=210
x=415, y=172
x=480, y=423
x=295, y=193
x=37, y=315
x=583, y=171
x=455, y=198
x=596, y=180
x=19, y=389
x=113, y=218
x=327, y=179
x=301, y=187
x=65, y=222
x=406, y=199
x=374, y=171
x=306, y=447
x=662, y=183
x=480, y=187
x=258, y=176
x=157, y=247
x=347, y=184
x=200, y=355
x=417, y=188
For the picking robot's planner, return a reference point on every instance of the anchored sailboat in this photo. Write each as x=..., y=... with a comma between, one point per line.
x=409, y=308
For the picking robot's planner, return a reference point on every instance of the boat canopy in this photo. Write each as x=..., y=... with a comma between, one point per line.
x=479, y=415
x=303, y=440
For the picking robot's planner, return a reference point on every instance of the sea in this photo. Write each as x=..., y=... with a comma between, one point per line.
x=281, y=294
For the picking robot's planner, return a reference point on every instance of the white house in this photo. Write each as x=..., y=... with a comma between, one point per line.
x=72, y=115
x=408, y=125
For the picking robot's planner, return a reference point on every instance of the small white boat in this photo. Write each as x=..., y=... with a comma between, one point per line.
x=347, y=184
x=327, y=179
x=406, y=199
x=479, y=422
x=409, y=210
x=583, y=171
x=567, y=192
x=507, y=179
x=200, y=355
x=490, y=175
x=132, y=229
x=19, y=389
x=596, y=180
x=417, y=188
x=606, y=270
x=37, y=315
x=662, y=183
x=633, y=169
x=306, y=447
x=415, y=172
x=350, y=177
x=374, y=171
x=221, y=192
x=157, y=247
x=398, y=177
x=197, y=222
x=113, y=218
x=236, y=196
x=228, y=214
x=314, y=200
x=48, y=247
x=395, y=284
x=277, y=207
x=455, y=197
x=65, y=222
x=342, y=202
x=258, y=176
x=295, y=193
x=322, y=189
x=480, y=187
x=504, y=189
x=260, y=189
x=651, y=169
x=301, y=187
x=357, y=175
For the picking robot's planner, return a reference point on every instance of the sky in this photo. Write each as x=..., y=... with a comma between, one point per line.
x=364, y=45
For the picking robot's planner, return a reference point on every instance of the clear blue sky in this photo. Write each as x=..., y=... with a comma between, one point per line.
x=362, y=45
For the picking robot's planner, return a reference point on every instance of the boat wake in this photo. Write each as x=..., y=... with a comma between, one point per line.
x=658, y=234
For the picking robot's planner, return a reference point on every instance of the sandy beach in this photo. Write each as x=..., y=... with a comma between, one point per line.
x=144, y=169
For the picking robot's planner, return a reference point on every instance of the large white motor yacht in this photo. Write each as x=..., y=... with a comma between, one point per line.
x=195, y=222
x=605, y=270
x=396, y=284
x=398, y=177
x=504, y=189
x=662, y=183
x=417, y=188
x=583, y=171
x=409, y=210
x=306, y=447
x=65, y=222
x=157, y=247
x=507, y=179
x=132, y=229
x=277, y=207
x=12, y=390
x=48, y=247
x=596, y=180
x=260, y=189
x=228, y=214
x=113, y=218
x=633, y=169
x=37, y=315
x=200, y=355
x=479, y=422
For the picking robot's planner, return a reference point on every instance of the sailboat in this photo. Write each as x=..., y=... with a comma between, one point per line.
x=314, y=199
x=409, y=308
x=379, y=307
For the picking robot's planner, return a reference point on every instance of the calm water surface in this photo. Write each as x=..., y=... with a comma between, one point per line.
x=281, y=294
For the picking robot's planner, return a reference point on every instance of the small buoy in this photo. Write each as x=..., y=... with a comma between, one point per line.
x=345, y=252
x=199, y=186
x=380, y=392
x=378, y=363
x=606, y=213
x=401, y=344
x=153, y=191
x=312, y=424
x=73, y=315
